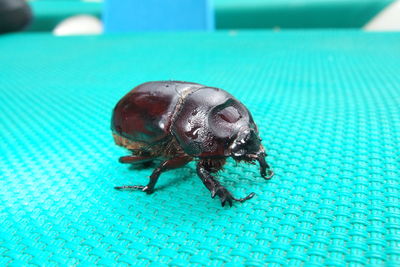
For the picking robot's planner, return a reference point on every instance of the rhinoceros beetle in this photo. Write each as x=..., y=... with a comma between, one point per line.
x=178, y=122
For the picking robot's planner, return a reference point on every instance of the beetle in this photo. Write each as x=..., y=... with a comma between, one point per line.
x=178, y=122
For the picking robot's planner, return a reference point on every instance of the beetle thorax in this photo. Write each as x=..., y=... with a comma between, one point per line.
x=208, y=121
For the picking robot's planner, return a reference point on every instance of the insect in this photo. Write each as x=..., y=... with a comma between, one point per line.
x=177, y=122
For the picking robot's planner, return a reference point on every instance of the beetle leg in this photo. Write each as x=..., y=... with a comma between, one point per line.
x=264, y=167
x=216, y=188
x=213, y=185
x=164, y=166
x=135, y=159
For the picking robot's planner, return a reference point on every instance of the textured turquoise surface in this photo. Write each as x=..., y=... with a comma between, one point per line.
x=326, y=103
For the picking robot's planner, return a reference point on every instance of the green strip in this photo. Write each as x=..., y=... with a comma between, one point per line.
x=296, y=13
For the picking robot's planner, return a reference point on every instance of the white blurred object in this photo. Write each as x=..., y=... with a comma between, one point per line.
x=79, y=25
x=387, y=20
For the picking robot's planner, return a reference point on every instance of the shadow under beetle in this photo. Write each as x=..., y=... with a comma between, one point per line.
x=178, y=122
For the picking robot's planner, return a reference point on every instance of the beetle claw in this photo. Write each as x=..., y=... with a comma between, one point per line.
x=213, y=193
x=224, y=194
x=226, y=199
x=251, y=195
x=270, y=175
x=143, y=188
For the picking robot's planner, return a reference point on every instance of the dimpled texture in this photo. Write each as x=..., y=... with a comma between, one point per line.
x=327, y=107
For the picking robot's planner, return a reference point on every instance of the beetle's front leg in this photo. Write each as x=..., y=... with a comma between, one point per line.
x=164, y=166
x=264, y=166
x=215, y=187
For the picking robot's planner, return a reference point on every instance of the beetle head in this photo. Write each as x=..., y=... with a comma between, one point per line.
x=247, y=147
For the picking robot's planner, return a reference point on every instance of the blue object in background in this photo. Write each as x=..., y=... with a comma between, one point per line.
x=158, y=15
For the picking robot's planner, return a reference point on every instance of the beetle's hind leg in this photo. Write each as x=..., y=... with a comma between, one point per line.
x=164, y=166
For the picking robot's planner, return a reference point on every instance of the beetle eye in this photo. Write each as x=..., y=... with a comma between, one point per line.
x=229, y=114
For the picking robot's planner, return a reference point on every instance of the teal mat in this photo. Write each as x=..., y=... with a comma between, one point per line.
x=326, y=103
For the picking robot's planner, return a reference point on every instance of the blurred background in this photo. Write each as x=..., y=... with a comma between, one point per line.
x=74, y=17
